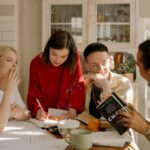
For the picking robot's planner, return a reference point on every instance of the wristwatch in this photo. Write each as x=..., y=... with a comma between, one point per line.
x=146, y=133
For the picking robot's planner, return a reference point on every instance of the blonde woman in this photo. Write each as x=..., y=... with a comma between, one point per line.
x=11, y=104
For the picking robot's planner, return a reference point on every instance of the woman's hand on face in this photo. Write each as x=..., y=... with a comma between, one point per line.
x=41, y=115
x=12, y=81
x=18, y=113
x=132, y=119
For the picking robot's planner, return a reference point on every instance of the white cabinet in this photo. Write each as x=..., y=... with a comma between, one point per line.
x=69, y=15
x=114, y=23
x=111, y=22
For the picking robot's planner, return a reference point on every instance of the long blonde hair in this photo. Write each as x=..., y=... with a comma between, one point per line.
x=5, y=48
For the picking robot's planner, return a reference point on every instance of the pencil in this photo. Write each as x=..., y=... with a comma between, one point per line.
x=40, y=105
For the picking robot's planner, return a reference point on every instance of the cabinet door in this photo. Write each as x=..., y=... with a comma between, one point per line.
x=114, y=23
x=68, y=15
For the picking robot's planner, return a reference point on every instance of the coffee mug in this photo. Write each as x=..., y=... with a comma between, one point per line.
x=81, y=139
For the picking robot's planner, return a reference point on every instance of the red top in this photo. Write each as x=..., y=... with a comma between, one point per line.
x=54, y=87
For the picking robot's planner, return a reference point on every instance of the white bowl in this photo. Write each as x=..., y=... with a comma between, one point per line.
x=67, y=125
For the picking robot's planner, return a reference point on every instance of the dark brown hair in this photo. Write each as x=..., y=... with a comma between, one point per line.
x=145, y=58
x=59, y=40
x=94, y=47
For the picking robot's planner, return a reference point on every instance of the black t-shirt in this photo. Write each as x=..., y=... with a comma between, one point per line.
x=95, y=96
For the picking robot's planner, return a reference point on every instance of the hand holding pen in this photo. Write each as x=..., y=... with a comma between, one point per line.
x=41, y=114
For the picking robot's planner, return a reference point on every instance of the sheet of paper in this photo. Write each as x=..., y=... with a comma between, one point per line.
x=45, y=124
x=56, y=112
x=111, y=138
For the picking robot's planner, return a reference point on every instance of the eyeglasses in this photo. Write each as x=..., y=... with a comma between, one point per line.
x=97, y=67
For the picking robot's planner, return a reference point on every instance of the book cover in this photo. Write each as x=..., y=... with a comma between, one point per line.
x=109, y=109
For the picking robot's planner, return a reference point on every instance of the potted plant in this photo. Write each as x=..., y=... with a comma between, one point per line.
x=128, y=68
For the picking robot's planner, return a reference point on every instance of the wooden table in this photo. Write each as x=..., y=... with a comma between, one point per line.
x=100, y=148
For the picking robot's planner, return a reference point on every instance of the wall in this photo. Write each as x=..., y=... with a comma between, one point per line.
x=30, y=34
x=30, y=37
x=144, y=8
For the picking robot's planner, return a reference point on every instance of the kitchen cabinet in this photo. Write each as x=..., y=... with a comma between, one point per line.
x=112, y=22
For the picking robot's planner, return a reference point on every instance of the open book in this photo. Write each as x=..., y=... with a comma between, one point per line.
x=86, y=117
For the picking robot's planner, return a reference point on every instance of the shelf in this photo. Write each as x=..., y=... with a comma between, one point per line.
x=63, y=23
x=113, y=23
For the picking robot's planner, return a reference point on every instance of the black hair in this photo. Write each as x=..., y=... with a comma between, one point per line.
x=144, y=47
x=59, y=40
x=94, y=47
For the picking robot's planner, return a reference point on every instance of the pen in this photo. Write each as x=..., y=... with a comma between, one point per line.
x=40, y=105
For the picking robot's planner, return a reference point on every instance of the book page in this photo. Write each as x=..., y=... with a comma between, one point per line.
x=85, y=117
x=44, y=124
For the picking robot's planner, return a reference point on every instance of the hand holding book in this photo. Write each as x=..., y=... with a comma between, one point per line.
x=110, y=108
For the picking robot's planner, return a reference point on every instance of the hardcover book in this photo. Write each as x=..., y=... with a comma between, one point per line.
x=109, y=110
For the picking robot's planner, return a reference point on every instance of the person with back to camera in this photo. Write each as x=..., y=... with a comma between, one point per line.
x=11, y=104
x=132, y=118
x=56, y=78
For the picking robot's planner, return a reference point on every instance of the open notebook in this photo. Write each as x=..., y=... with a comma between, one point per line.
x=84, y=117
x=48, y=123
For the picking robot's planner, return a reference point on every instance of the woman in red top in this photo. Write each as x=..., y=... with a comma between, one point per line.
x=56, y=78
